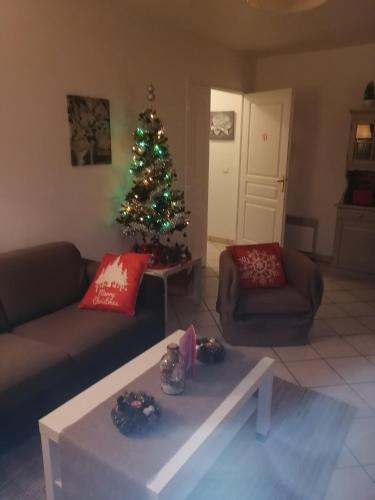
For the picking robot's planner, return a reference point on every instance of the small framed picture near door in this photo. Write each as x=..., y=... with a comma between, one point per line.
x=90, y=130
x=222, y=125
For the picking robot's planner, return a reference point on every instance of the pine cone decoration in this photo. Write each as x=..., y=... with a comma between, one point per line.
x=210, y=350
x=134, y=412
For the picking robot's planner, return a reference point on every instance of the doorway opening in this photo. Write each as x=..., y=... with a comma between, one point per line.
x=224, y=167
x=248, y=166
x=239, y=196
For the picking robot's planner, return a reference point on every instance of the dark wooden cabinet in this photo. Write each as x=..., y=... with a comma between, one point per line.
x=355, y=238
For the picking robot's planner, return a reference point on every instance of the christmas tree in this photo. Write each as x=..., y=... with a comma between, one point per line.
x=152, y=208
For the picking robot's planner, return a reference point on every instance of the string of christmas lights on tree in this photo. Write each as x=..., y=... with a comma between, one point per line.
x=152, y=208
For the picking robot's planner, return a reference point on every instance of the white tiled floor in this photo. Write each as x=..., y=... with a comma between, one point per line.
x=347, y=326
x=339, y=362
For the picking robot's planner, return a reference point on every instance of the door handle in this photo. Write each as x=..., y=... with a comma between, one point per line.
x=282, y=182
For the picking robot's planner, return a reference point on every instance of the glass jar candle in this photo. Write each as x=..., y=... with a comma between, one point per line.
x=172, y=371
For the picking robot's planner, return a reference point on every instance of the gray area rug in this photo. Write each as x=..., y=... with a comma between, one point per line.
x=296, y=462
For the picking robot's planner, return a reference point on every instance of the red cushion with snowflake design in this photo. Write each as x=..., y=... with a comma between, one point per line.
x=116, y=283
x=259, y=266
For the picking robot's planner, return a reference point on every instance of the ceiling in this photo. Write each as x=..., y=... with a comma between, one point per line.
x=234, y=24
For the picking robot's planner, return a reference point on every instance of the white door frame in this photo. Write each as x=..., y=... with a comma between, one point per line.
x=238, y=129
x=190, y=166
x=204, y=230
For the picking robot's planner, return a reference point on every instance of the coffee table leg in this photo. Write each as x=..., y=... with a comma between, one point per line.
x=51, y=468
x=264, y=406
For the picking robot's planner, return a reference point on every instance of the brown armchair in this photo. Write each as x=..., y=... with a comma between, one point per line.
x=269, y=316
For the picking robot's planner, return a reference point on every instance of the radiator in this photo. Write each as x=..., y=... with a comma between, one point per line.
x=301, y=233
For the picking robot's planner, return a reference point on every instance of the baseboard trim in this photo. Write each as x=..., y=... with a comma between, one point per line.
x=326, y=259
x=217, y=239
x=317, y=257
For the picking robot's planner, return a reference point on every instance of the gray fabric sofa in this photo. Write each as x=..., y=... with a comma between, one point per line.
x=46, y=341
x=269, y=316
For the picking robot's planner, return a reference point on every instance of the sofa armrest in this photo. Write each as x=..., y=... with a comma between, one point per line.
x=305, y=275
x=229, y=287
x=91, y=266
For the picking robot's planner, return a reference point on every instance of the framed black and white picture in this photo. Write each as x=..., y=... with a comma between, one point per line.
x=90, y=130
x=222, y=125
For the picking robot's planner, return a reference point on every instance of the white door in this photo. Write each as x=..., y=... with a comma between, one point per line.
x=196, y=174
x=263, y=182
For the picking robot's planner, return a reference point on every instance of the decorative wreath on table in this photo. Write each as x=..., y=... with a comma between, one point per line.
x=209, y=350
x=134, y=412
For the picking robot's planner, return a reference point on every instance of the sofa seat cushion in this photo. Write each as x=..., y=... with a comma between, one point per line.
x=27, y=368
x=285, y=300
x=90, y=336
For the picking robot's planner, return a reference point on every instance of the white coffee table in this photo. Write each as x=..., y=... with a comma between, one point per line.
x=204, y=445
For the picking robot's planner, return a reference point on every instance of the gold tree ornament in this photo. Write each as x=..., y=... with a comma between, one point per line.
x=151, y=93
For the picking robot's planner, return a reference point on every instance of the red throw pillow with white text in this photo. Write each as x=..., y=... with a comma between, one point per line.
x=116, y=283
x=259, y=266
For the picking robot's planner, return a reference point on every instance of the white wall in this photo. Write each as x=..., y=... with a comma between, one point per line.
x=50, y=48
x=327, y=85
x=224, y=171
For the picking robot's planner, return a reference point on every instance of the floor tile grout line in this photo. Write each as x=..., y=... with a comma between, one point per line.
x=346, y=382
x=357, y=394
x=354, y=457
x=290, y=373
x=346, y=334
x=355, y=466
x=369, y=475
x=369, y=417
x=325, y=360
x=361, y=465
x=352, y=386
x=217, y=322
x=358, y=464
x=348, y=356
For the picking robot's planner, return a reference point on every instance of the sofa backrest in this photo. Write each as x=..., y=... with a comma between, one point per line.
x=38, y=280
